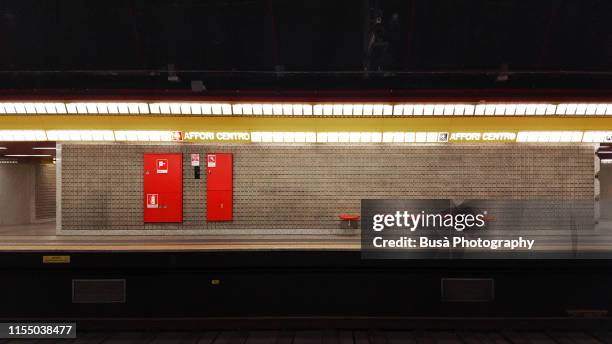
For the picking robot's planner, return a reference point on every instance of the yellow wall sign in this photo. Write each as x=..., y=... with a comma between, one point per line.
x=478, y=136
x=211, y=136
x=56, y=259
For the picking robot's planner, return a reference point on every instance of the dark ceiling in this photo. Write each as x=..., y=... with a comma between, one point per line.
x=278, y=43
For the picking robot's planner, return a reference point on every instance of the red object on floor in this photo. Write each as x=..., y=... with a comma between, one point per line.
x=349, y=217
x=219, y=187
x=163, y=187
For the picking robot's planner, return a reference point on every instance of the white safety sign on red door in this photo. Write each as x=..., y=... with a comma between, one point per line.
x=152, y=201
x=195, y=159
x=212, y=160
x=162, y=166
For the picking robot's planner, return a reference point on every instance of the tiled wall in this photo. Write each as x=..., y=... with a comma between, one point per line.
x=303, y=188
x=45, y=191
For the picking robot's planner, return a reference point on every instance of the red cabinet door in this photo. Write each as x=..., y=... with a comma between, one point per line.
x=219, y=171
x=219, y=205
x=163, y=187
x=219, y=188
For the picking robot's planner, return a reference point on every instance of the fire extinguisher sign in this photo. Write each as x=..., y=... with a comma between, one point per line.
x=162, y=166
x=211, y=160
x=152, y=200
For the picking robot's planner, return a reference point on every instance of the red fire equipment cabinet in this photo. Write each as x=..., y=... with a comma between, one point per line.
x=163, y=187
x=219, y=187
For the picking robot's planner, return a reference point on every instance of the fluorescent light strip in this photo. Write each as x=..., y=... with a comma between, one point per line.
x=289, y=109
x=27, y=155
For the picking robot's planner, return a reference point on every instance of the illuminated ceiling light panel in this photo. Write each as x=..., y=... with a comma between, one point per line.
x=154, y=108
x=50, y=108
x=237, y=109
x=257, y=109
x=175, y=108
x=571, y=109
x=226, y=109
x=123, y=108
x=459, y=110
x=521, y=109
x=297, y=109
x=102, y=108
x=347, y=109
x=40, y=108
x=247, y=109
x=267, y=109
x=421, y=137
x=328, y=109
x=143, y=108
x=277, y=137
x=601, y=109
x=23, y=135
x=332, y=137
x=81, y=108
x=581, y=109
x=448, y=110
x=289, y=137
x=185, y=109
x=307, y=110
x=561, y=109
x=409, y=137
x=343, y=137
x=387, y=110
x=277, y=109
x=555, y=136
x=591, y=109
x=530, y=110
x=377, y=109
x=521, y=136
x=207, y=109
x=19, y=108
x=215, y=109
x=540, y=109
x=500, y=109
x=338, y=110
x=432, y=137
x=9, y=108
x=355, y=137
x=299, y=137
x=322, y=137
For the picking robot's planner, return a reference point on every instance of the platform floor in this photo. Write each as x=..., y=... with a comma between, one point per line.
x=42, y=237
x=37, y=237
x=331, y=336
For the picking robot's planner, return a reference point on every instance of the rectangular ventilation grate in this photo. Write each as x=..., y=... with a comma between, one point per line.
x=98, y=291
